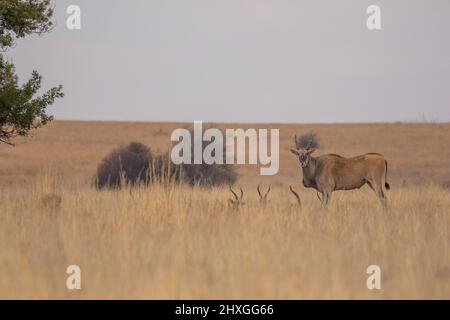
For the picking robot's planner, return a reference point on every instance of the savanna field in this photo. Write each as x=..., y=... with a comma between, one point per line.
x=172, y=241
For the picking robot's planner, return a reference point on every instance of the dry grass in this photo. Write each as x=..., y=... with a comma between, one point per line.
x=175, y=242
x=179, y=242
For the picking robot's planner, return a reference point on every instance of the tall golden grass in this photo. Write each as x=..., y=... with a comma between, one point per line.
x=177, y=242
x=173, y=241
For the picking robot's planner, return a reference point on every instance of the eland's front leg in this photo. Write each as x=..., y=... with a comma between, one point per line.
x=325, y=198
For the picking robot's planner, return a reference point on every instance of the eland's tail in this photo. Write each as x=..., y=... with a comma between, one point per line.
x=386, y=184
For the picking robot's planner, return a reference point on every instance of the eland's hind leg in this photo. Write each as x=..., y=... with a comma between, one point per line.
x=382, y=198
x=378, y=189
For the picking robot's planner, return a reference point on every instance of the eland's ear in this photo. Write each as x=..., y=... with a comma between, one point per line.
x=295, y=151
x=311, y=150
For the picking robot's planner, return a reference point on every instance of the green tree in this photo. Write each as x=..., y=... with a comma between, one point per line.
x=20, y=109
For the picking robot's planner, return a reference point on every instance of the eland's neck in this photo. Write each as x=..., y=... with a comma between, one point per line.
x=310, y=170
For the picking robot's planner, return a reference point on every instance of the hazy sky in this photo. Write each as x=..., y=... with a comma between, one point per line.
x=246, y=61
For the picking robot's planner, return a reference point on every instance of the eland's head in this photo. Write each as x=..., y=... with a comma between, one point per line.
x=304, y=147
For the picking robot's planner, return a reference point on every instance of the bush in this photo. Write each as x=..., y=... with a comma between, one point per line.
x=136, y=164
x=125, y=165
x=209, y=175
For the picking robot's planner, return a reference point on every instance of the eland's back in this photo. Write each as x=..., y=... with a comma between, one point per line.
x=351, y=173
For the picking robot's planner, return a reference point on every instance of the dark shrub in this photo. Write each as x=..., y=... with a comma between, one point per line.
x=446, y=184
x=125, y=165
x=162, y=170
x=135, y=164
x=192, y=174
x=209, y=175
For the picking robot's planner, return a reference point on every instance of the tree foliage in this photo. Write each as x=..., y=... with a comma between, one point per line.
x=20, y=109
x=19, y=18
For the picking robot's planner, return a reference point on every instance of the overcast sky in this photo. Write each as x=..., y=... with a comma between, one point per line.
x=246, y=61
